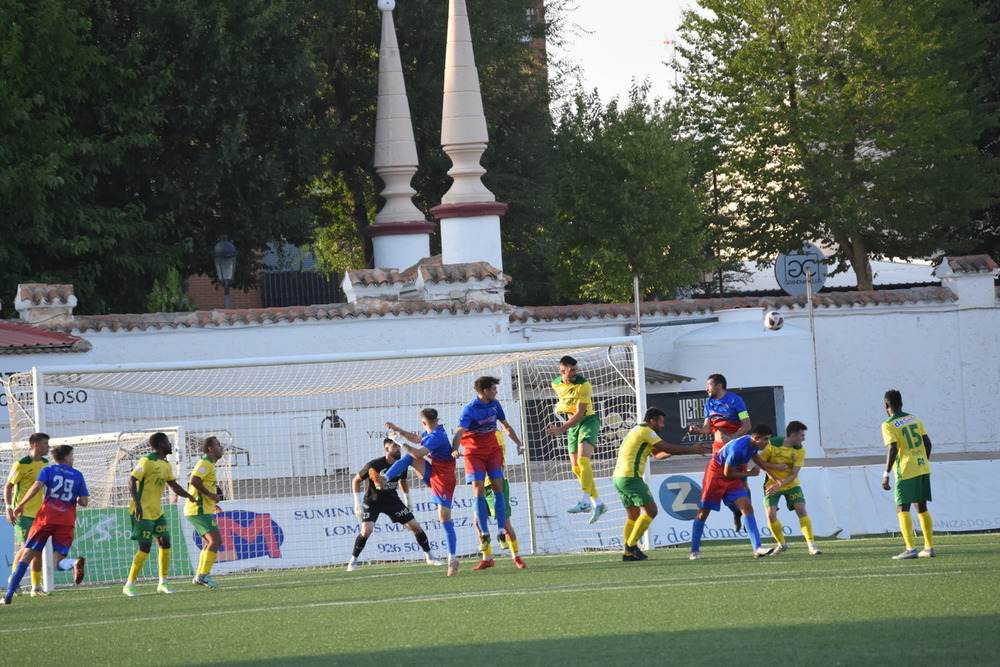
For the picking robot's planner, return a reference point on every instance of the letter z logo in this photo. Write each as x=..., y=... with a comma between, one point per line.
x=679, y=496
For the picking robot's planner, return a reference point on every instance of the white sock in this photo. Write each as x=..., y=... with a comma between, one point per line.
x=65, y=563
x=595, y=501
x=585, y=498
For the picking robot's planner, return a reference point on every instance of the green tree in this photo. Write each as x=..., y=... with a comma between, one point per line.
x=169, y=296
x=847, y=124
x=986, y=80
x=70, y=114
x=624, y=200
x=136, y=133
x=243, y=129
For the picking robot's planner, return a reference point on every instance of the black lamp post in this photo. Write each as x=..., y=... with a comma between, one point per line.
x=224, y=255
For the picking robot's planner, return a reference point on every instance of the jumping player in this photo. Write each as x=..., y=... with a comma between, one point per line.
x=434, y=461
x=582, y=428
x=476, y=433
x=726, y=417
x=508, y=538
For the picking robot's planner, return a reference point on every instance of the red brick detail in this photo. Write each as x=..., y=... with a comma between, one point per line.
x=211, y=297
x=400, y=228
x=472, y=210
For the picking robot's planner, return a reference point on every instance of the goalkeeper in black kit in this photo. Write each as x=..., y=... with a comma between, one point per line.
x=384, y=500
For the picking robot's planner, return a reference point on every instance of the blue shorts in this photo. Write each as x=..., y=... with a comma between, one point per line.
x=727, y=498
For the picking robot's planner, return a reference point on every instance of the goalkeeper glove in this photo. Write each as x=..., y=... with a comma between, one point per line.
x=359, y=510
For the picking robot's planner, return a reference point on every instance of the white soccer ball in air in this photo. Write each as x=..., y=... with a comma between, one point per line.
x=774, y=320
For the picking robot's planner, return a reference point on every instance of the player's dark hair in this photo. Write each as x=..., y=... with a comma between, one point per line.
x=795, y=427
x=762, y=429
x=158, y=440
x=485, y=382
x=61, y=452
x=567, y=361
x=653, y=413
x=430, y=414
x=207, y=443
x=718, y=378
x=388, y=441
x=35, y=438
x=894, y=400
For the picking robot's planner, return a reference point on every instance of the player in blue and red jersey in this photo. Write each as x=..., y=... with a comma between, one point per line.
x=724, y=483
x=476, y=433
x=65, y=488
x=726, y=417
x=434, y=461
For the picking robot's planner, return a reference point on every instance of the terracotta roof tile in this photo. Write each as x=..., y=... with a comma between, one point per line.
x=972, y=264
x=336, y=311
x=17, y=338
x=39, y=293
x=430, y=269
x=700, y=306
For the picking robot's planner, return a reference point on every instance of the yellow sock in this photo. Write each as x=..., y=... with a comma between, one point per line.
x=777, y=530
x=513, y=547
x=137, y=562
x=488, y=551
x=906, y=527
x=36, y=578
x=587, y=477
x=163, y=561
x=576, y=472
x=627, y=533
x=206, y=561
x=641, y=525
x=927, y=528
x=806, y=523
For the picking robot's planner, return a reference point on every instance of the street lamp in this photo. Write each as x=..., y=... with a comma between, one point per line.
x=224, y=255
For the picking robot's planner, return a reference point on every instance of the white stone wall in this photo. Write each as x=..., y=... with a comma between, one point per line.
x=943, y=357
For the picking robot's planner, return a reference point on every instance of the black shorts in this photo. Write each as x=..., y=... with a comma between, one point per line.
x=392, y=508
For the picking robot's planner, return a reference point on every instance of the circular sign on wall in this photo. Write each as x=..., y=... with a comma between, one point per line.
x=792, y=269
x=679, y=496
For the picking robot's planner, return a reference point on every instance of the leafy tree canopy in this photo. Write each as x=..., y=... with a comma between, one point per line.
x=624, y=199
x=847, y=124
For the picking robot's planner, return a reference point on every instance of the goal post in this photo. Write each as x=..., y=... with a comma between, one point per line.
x=295, y=432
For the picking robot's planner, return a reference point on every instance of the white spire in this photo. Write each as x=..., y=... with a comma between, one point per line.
x=469, y=213
x=401, y=233
x=463, y=123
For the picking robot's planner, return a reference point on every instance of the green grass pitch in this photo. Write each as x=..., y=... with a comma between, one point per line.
x=852, y=605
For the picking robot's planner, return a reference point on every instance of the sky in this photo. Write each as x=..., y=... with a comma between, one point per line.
x=625, y=42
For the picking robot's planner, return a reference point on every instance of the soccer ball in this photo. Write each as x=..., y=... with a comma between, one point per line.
x=774, y=320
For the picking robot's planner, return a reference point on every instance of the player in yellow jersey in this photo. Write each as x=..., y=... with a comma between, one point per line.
x=640, y=507
x=145, y=485
x=507, y=538
x=582, y=428
x=785, y=456
x=200, y=510
x=910, y=456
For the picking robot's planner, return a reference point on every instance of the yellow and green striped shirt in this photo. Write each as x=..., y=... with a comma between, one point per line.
x=635, y=449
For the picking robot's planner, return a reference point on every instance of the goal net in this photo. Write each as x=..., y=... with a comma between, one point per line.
x=297, y=430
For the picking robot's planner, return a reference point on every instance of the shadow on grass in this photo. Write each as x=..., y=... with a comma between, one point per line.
x=925, y=641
